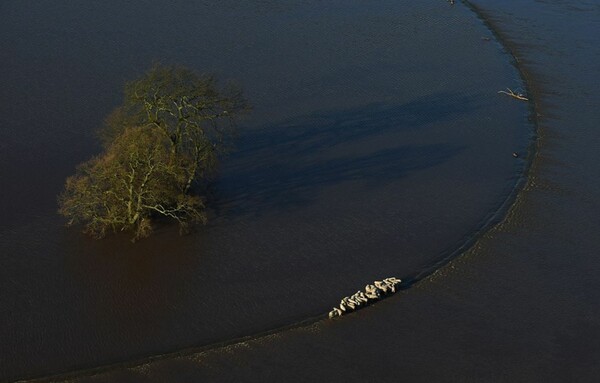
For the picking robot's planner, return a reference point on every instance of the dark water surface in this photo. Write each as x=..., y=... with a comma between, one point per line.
x=377, y=145
x=523, y=305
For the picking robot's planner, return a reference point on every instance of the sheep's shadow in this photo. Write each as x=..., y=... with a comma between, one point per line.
x=285, y=165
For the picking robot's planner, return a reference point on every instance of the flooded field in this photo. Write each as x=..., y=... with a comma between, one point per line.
x=378, y=145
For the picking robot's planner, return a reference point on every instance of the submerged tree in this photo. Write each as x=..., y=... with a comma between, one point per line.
x=187, y=108
x=169, y=133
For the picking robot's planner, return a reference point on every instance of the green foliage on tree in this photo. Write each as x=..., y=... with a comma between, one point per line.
x=168, y=134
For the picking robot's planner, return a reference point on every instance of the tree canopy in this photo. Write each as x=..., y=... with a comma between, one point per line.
x=169, y=133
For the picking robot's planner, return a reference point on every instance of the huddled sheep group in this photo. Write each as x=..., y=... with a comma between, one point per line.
x=372, y=293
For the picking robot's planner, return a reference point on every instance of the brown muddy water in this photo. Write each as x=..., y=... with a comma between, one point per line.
x=378, y=146
x=522, y=305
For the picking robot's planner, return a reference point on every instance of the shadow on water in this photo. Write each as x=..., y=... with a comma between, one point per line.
x=285, y=165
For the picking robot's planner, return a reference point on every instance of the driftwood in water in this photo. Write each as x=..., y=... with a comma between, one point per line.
x=511, y=93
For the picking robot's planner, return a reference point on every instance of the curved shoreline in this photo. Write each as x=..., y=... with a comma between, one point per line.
x=498, y=216
x=491, y=220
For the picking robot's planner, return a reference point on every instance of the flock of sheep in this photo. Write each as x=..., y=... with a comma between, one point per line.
x=372, y=293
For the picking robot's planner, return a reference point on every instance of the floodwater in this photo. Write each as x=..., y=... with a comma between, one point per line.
x=522, y=305
x=378, y=146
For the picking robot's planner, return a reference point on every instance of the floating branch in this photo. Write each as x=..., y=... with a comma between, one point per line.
x=511, y=93
x=360, y=299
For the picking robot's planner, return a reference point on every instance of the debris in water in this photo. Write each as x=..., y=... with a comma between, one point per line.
x=511, y=93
